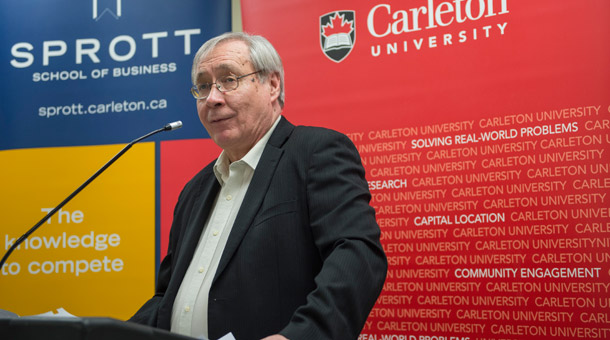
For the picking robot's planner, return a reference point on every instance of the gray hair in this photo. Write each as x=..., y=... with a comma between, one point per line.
x=263, y=56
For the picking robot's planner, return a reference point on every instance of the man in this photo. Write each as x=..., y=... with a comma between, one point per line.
x=276, y=239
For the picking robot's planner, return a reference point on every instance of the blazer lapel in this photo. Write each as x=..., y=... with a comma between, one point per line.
x=257, y=190
x=201, y=209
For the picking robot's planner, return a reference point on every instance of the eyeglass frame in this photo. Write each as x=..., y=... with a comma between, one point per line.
x=195, y=90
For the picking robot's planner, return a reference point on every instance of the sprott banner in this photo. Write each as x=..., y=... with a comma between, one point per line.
x=79, y=79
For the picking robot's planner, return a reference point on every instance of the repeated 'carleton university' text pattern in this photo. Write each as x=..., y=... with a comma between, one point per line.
x=494, y=228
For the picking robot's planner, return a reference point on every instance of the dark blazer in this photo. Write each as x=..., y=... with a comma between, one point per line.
x=303, y=258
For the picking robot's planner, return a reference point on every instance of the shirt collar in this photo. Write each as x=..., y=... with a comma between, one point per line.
x=221, y=167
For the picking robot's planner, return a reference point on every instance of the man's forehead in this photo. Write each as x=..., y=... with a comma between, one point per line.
x=226, y=56
x=206, y=68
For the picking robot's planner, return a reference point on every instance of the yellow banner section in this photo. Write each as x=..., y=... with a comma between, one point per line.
x=95, y=257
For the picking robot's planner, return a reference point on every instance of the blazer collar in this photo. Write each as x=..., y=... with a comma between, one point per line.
x=282, y=132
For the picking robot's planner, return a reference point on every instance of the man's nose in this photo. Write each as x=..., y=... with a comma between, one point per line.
x=215, y=97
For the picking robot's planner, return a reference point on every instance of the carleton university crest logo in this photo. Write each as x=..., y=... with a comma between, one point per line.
x=337, y=34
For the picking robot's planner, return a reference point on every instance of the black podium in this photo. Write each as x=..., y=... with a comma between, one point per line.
x=59, y=328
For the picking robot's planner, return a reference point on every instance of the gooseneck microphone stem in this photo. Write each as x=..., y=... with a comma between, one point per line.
x=167, y=127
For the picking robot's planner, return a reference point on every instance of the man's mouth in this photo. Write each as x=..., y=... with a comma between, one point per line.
x=220, y=119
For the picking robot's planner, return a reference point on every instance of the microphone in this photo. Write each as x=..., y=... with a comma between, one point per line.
x=168, y=127
x=173, y=125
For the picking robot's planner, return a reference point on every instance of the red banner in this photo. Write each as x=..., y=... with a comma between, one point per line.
x=484, y=127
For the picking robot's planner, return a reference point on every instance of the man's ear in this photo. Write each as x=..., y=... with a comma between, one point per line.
x=274, y=84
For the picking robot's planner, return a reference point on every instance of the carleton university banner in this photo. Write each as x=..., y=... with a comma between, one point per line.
x=79, y=79
x=484, y=128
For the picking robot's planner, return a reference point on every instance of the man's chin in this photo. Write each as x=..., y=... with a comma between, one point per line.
x=224, y=139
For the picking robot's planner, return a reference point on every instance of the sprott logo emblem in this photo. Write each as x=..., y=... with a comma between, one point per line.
x=337, y=34
x=116, y=13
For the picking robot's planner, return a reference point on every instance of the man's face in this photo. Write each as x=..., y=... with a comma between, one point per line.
x=237, y=119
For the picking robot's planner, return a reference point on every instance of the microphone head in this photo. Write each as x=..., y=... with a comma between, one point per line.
x=173, y=125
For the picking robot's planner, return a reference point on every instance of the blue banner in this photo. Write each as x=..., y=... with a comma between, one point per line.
x=94, y=72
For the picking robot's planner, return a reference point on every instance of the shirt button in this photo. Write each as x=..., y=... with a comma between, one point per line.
x=229, y=197
x=187, y=309
x=215, y=233
x=201, y=269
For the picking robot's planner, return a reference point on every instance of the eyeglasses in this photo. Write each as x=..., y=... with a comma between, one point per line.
x=224, y=84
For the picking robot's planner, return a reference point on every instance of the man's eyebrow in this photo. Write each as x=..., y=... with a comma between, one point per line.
x=200, y=76
x=217, y=69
